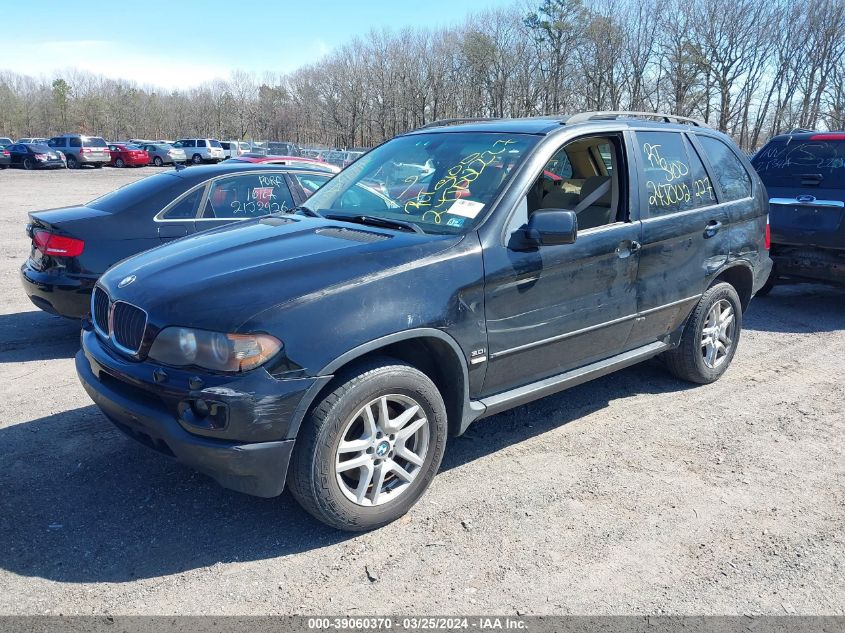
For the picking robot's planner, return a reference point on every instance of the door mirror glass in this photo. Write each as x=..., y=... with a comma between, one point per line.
x=549, y=227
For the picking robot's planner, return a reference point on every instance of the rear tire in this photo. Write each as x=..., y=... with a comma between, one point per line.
x=28, y=164
x=361, y=420
x=119, y=163
x=72, y=162
x=98, y=165
x=710, y=337
x=196, y=159
x=157, y=161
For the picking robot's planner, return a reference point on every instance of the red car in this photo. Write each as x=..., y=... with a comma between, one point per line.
x=295, y=161
x=126, y=155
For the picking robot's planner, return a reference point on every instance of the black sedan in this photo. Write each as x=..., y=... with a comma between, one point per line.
x=35, y=156
x=73, y=246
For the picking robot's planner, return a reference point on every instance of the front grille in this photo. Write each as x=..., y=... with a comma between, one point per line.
x=100, y=310
x=121, y=323
x=128, y=324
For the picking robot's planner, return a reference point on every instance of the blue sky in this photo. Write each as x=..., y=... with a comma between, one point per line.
x=180, y=43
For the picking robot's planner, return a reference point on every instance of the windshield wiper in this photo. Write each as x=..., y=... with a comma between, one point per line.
x=305, y=211
x=373, y=220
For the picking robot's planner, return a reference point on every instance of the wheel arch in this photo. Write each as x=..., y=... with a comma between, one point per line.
x=430, y=350
x=741, y=277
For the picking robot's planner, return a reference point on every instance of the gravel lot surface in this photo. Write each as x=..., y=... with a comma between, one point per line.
x=635, y=493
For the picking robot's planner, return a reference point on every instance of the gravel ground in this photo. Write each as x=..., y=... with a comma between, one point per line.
x=635, y=493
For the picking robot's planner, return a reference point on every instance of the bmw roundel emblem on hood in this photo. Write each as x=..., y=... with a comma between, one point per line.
x=126, y=281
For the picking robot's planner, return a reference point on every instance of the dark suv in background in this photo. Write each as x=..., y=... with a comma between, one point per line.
x=335, y=349
x=804, y=174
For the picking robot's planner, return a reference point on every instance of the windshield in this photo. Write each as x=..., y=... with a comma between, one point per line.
x=442, y=182
x=786, y=162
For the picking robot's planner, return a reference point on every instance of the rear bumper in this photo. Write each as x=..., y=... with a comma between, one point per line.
x=761, y=273
x=258, y=405
x=818, y=264
x=62, y=295
x=92, y=159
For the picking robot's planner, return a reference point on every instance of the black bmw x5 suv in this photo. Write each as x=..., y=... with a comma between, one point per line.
x=450, y=274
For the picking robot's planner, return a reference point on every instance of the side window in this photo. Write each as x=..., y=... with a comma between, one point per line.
x=572, y=180
x=702, y=189
x=113, y=148
x=248, y=196
x=189, y=144
x=311, y=182
x=733, y=179
x=667, y=174
x=75, y=141
x=201, y=142
x=186, y=208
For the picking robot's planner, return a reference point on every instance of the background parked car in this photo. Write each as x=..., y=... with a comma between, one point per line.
x=277, y=148
x=234, y=148
x=201, y=150
x=35, y=156
x=5, y=156
x=29, y=140
x=82, y=150
x=165, y=154
x=804, y=174
x=5, y=140
x=128, y=155
x=73, y=246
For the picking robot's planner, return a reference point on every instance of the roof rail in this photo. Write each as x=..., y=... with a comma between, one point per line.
x=458, y=121
x=615, y=114
x=801, y=130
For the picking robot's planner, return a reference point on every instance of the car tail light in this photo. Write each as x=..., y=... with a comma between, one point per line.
x=6, y=152
x=768, y=233
x=41, y=157
x=52, y=244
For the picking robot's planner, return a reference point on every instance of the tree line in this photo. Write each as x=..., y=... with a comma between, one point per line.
x=750, y=68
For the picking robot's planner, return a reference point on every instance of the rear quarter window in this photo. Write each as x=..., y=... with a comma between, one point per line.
x=138, y=192
x=783, y=162
x=727, y=169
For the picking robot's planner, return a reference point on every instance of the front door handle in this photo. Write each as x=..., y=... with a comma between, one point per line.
x=626, y=249
x=712, y=228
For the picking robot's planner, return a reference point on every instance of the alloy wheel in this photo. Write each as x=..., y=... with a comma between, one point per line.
x=718, y=334
x=382, y=450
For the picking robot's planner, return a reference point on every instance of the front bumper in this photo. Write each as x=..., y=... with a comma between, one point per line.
x=63, y=295
x=259, y=407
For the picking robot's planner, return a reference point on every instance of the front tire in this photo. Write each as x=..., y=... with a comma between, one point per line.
x=157, y=161
x=710, y=337
x=369, y=449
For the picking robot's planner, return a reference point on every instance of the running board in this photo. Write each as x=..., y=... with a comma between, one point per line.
x=527, y=393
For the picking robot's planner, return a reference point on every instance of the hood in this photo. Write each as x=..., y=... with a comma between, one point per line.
x=219, y=279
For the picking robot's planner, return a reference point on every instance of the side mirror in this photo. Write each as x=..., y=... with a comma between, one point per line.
x=549, y=227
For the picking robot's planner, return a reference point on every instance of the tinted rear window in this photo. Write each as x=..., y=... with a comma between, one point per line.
x=94, y=141
x=134, y=193
x=40, y=148
x=783, y=162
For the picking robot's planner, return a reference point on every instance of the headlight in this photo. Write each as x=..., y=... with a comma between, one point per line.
x=181, y=346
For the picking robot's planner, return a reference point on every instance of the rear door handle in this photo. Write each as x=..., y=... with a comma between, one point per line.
x=712, y=228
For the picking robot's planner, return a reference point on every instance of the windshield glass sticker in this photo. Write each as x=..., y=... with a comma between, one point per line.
x=466, y=208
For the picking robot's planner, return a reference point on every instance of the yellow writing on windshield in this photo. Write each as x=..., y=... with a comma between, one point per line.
x=455, y=184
